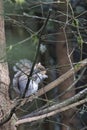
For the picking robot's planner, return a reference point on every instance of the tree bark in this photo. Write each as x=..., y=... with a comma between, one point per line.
x=63, y=50
x=5, y=103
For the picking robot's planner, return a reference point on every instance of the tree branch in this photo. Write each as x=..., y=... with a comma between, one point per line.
x=59, y=80
x=47, y=88
x=59, y=107
x=37, y=53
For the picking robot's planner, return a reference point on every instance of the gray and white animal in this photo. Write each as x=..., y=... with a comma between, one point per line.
x=22, y=70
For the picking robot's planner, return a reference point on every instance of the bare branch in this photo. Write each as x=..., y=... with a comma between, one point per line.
x=37, y=53
x=47, y=88
x=59, y=80
x=48, y=114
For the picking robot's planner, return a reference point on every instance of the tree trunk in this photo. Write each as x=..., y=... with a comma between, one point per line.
x=4, y=76
x=63, y=50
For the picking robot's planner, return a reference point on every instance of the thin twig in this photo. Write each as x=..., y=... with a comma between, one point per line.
x=73, y=84
x=37, y=53
x=59, y=80
x=40, y=92
x=61, y=109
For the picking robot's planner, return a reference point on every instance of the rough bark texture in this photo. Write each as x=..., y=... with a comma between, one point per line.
x=5, y=103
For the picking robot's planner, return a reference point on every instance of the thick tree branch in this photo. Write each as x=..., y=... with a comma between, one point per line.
x=59, y=80
x=67, y=102
x=47, y=88
x=59, y=107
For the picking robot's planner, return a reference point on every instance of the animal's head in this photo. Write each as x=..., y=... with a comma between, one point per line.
x=40, y=69
x=38, y=78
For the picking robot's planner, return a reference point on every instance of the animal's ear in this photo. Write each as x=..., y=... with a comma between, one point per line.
x=39, y=64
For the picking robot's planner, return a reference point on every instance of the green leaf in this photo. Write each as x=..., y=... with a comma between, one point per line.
x=20, y=1
x=35, y=39
x=80, y=40
x=77, y=66
x=10, y=47
x=75, y=22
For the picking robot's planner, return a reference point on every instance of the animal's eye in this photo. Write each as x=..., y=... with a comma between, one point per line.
x=34, y=77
